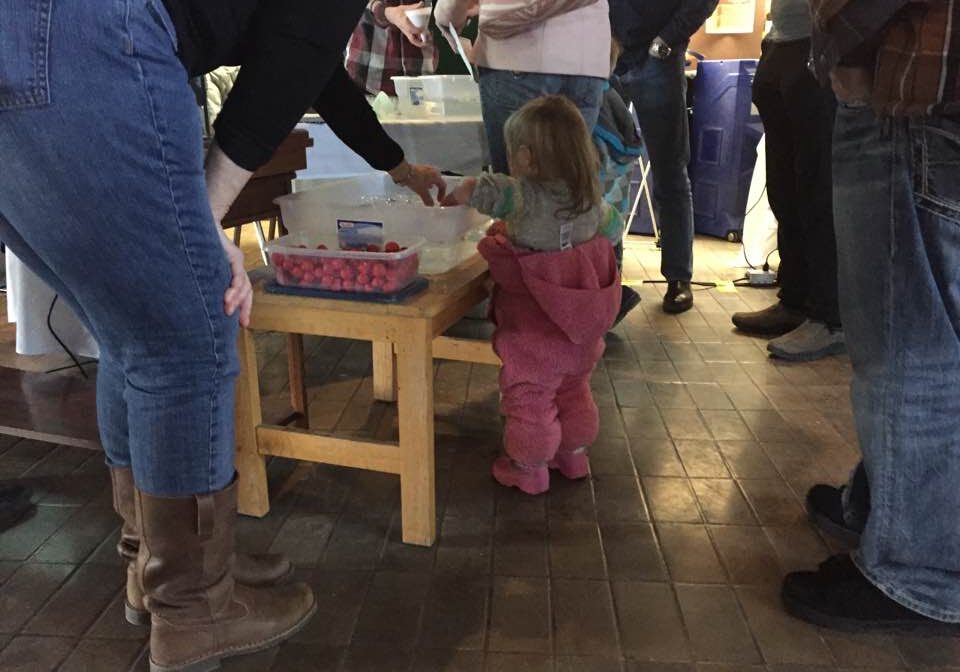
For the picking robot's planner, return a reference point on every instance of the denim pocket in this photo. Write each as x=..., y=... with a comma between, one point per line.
x=936, y=155
x=24, y=53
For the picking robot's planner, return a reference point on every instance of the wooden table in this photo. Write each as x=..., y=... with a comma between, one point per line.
x=406, y=338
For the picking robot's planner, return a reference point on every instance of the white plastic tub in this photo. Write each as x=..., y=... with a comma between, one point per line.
x=437, y=95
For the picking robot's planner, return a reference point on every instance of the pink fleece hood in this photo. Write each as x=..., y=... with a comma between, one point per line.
x=577, y=289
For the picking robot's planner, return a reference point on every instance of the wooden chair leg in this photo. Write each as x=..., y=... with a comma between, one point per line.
x=415, y=408
x=298, y=385
x=237, y=232
x=272, y=231
x=253, y=494
x=384, y=372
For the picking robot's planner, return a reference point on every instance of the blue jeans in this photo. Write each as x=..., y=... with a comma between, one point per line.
x=658, y=89
x=503, y=92
x=102, y=194
x=897, y=214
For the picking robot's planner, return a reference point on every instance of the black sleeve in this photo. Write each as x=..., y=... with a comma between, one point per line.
x=690, y=15
x=345, y=109
x=291, y=51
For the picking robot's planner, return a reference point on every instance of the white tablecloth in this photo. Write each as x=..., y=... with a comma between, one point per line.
x=28, y=303
x=454, y=144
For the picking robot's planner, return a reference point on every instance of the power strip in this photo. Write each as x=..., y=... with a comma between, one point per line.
x=761, y=278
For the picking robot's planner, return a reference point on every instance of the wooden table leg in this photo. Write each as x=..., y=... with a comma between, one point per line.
x=298, y=385
x=384, y=371
x=253, y=496
x=415, y=408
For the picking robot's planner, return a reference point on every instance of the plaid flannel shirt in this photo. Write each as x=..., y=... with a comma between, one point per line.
x=378, y=51
x=913, y=46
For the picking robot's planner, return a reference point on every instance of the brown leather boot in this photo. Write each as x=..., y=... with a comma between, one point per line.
x=248, y=570
x=199, y=616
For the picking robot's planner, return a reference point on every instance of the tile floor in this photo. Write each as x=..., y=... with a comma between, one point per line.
x=667, y=560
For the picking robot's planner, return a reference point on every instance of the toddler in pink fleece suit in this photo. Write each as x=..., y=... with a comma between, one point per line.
x=557, y=289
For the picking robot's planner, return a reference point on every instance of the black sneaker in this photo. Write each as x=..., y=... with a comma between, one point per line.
x=775, y=320
x=14, y=503
x=629, y=299
x=825, y=509
x=839, y=597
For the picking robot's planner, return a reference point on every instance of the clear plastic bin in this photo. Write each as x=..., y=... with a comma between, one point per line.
x=315, y=211
x=298, y=262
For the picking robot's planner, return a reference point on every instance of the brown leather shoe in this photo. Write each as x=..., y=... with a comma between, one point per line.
x=199, y=616
x=248, y=570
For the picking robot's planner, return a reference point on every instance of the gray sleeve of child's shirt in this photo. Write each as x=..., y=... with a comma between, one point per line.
x=499, y=196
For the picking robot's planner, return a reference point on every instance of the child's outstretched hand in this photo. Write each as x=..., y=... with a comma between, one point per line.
x=462, y=194
x=498, y=228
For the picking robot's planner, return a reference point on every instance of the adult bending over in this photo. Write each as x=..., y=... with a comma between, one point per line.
x=103, y=195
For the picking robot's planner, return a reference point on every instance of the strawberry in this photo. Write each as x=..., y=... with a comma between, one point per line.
x=392, y=247
x=373, y=248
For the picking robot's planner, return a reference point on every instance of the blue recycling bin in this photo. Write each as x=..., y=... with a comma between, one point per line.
x=724, y=138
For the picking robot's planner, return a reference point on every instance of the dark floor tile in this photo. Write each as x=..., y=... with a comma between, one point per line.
x=340, y=596
x=19, y=458
x=747, y=554
x=684, y=424
x=26, y=591
x=357, y=542
x=874, y=652
x=671, y=395
x=78, y=603
x=456, y=613
x=373, y=492
x=518, y=662
x=7, y=569
x=799, y=547
x=782, y=639
x=401, y=557
x=520, y=548
x=643, y=423
x=35, y=654
x=512, y=504
x=571, y=501
x=671, y=500
x=747, y=459
x=80, y=536
x=689, y=554
x=439, y=660
x=376, y=659
x=587, y=664
x=923, y=652
x=20, y=542
x=632, y=394
x=632, y=552
x=773, y=502
x=727, y=425
x=296, y=657
x=722, y=502
x=640, y=666
x=575, y=551
x=709, y=397
x=619, y=499
x=649, y=621
x=112, y=624
x=465, y=546
x=717, y=630
x=303, y=537
x=701, y=459
x=768, y=426
x=392, y=610
x=746, y=396
x=656, y=457
x=101, y=655
x=583, y=619
x=611, y=458
x=520, y=616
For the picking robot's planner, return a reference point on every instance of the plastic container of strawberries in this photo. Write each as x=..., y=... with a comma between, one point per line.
x=300, y=261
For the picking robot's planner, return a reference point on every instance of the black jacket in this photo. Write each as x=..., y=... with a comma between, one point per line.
x=291, y=58
x=636, y=23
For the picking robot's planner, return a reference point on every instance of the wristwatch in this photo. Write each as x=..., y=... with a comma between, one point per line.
x=660, y=49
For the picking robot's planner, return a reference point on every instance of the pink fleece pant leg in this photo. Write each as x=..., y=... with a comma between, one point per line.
x=579, y=425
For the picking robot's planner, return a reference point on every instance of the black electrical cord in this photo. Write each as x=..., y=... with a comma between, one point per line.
x=76, y=362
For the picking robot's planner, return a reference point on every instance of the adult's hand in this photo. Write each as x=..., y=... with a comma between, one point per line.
x=239, y=295
x=455, y=12
x=852, y=84
x=420, y=180
x=418, y=37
